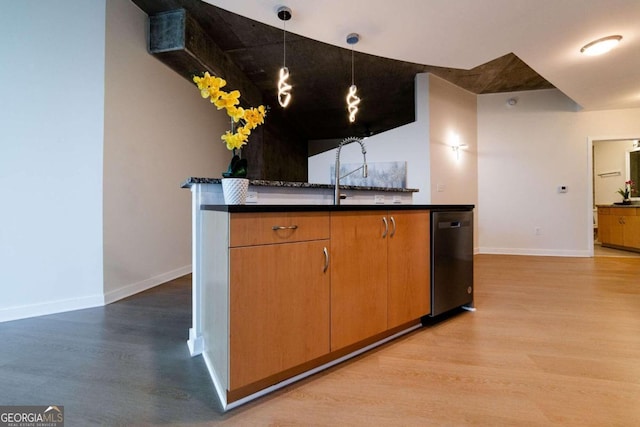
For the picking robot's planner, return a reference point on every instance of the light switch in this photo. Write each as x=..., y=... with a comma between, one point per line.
x=562, y=189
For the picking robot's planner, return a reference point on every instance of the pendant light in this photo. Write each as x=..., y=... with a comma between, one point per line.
x=284, y=88
x=352, y=98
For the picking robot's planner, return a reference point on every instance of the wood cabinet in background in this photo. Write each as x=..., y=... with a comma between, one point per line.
x=619, y=227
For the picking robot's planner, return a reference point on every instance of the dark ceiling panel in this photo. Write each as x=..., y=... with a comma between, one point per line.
x=321, y=74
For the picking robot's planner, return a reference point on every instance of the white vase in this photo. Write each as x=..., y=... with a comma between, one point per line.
x=235, y=190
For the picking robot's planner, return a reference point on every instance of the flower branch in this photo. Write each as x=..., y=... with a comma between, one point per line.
x=243, y=120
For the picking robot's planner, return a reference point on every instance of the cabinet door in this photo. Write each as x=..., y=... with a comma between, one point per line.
x=617, y=230
x=631, y=237
x=279, y=308
x=604, y=227
x=358, y=277
x=408, y=266
x=610, y=229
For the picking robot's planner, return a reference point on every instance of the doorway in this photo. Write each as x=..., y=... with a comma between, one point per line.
x=608, y=174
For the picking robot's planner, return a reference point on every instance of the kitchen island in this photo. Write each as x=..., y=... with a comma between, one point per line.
x=283, y=291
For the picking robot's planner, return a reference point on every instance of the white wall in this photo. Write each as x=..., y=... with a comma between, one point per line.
x=158, y=132
x=82, y=97
x=442, y=110
x=453, y=121
x=609, y=156
x=408, y=143
x=524, y=153
x=51, y=141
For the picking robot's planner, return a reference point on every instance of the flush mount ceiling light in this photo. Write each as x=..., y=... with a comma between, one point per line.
x=352, y=98
x=600, y=46
x=284, y=88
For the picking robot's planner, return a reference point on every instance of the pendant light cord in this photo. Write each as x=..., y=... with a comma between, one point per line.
x=284, y=44
x=352, y=66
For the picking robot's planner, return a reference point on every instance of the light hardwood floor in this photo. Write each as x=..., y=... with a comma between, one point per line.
x=554, y=342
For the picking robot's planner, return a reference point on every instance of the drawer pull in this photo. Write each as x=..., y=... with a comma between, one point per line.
x=386, y=227
x=283, y=227
x=393, y=223
x=326, y=260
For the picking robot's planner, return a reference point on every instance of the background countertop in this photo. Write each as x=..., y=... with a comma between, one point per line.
x=258, y=182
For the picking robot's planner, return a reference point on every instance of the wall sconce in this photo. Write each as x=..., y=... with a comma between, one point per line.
x=456, y=145
x=456, y=149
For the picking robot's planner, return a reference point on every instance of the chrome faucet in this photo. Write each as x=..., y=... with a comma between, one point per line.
x=336, y=193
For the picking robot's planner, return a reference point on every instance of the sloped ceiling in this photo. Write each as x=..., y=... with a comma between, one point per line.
x=546, y=34
x=321, y=73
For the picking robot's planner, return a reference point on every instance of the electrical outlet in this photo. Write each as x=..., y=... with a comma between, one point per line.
x=378, y=199
x=562, y=189
x=397, y=199
x=252, y=197
x=440, y=188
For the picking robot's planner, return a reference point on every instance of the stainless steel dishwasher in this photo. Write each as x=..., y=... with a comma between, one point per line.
x=451, y=260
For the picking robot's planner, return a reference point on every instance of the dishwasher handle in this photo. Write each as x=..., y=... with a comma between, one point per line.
x=453, y=224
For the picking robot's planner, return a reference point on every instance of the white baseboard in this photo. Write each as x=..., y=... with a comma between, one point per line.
x=195, y=343
x=134, y=288
x=534, y=252
x=52, y=307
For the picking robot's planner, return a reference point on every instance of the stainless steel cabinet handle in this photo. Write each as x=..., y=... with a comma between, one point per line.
x=386, y=227
x=393, y=223
x=282, y=227
x=326, y=260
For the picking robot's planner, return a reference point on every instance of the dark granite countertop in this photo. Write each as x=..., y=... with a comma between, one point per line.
x=259, y=182
x=331, y=208
x=620, y=205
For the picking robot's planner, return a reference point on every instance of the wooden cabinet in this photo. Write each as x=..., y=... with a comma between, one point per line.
x=358, y=277
x=283, y=293
x=379, y=274
x=278, y=294
x=631, y=232
x=409, y=277
x=609, y=227
x=619, y=227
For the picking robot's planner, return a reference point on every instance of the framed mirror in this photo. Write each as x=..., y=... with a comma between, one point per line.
x=633, y=169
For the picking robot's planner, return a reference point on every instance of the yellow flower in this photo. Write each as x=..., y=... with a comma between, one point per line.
x=209, y=85
x=254, y=116
x=227, y=100
x=236, y=113
x=245, y=131
x=234, y=140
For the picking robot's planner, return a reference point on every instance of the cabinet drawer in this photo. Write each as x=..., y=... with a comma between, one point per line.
x=604, y=211
x=623, y=211
x=249, y=229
